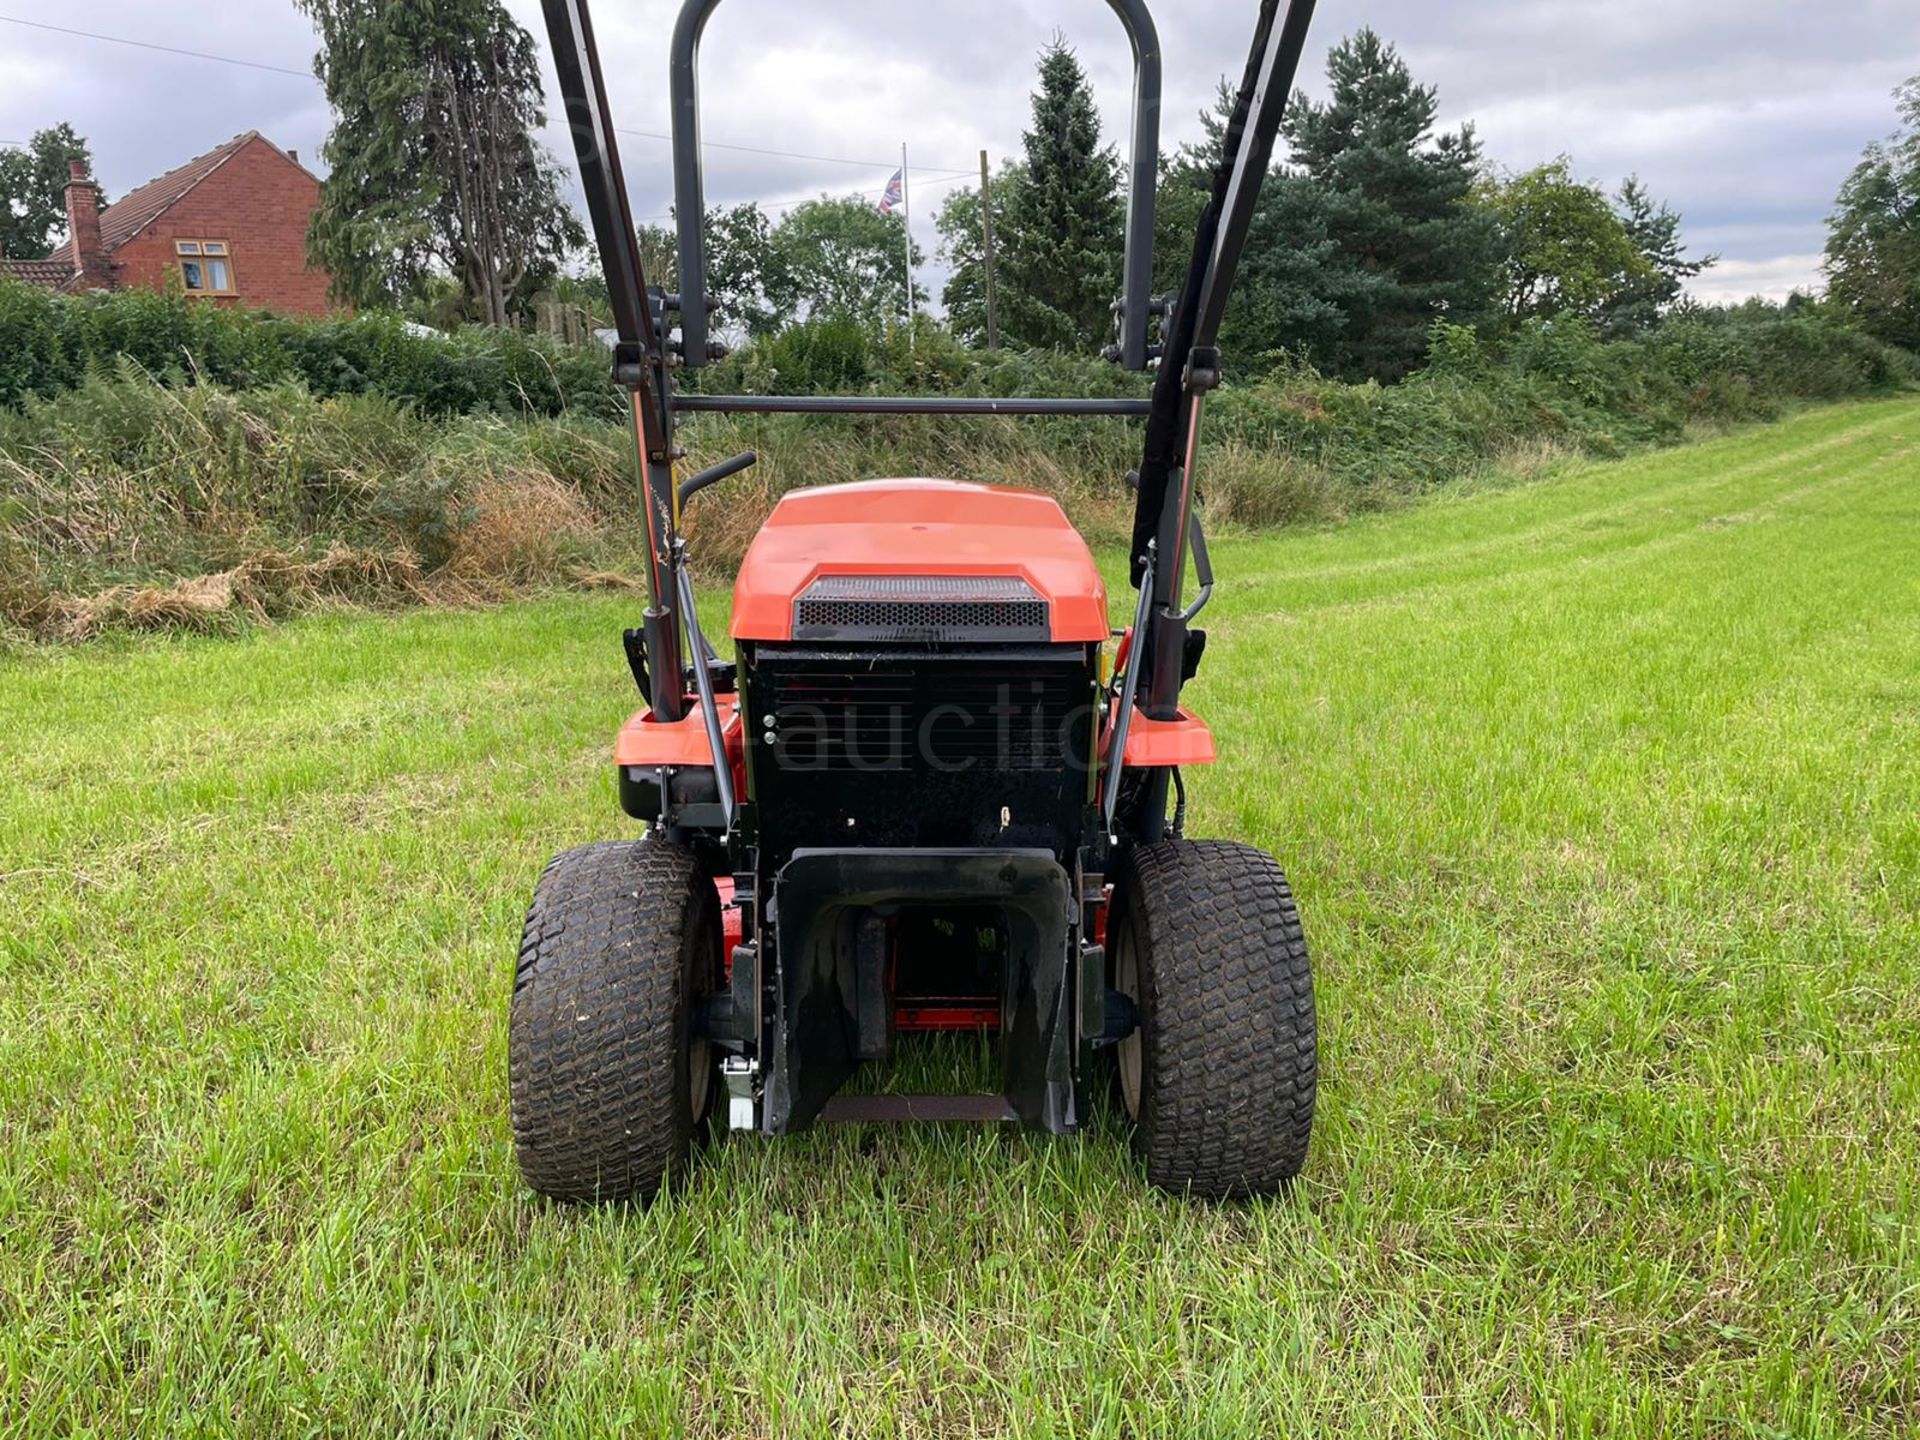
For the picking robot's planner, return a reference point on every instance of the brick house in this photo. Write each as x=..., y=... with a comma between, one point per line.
x=229, y=227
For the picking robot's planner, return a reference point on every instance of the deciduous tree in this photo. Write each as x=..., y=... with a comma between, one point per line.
x=433, y=165
x=1873, y=236
x=33, y=191
x=1566, y=250
x=838, y=258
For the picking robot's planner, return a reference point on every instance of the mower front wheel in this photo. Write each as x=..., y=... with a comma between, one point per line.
x=607, y=1078
x=1219, y=1075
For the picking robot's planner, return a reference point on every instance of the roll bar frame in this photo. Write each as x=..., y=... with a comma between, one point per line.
x=1133, y=309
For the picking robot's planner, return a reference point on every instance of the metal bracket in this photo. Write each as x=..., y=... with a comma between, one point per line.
x=1203, y=369
x=742, y=1079
x=1129, y=688
x=1202, y=566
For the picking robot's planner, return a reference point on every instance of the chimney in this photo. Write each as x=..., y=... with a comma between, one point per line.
x=294, y=155
x=83, y=227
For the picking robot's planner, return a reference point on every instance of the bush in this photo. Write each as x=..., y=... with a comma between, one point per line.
x=815, y=357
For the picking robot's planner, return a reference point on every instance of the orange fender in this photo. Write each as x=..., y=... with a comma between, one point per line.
x=1185, y=741
x=648, y=743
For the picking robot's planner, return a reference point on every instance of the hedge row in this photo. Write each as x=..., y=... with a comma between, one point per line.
x=1698, y=365
x=51, y=343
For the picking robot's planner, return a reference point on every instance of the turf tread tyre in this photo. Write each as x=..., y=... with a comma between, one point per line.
x=1229, y=1061
x=616, y=941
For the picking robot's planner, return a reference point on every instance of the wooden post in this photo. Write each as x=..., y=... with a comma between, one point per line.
x=986, y=235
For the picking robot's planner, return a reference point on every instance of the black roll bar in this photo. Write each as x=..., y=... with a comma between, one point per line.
x=905, y=405
x=640, y=356
x=689, y=189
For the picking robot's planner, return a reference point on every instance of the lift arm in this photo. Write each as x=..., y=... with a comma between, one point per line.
x=640, y=357
x=1190, y=363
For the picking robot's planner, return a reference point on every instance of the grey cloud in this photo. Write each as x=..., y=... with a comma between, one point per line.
x=1744, y=115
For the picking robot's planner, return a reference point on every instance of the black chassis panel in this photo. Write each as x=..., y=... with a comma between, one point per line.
x=832, y=839
x=955, y=747
x=815, y=1031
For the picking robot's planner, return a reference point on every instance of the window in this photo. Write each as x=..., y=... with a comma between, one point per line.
x=206, y=267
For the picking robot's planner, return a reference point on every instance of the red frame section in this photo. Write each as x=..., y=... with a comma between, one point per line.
x=966, y=1012
x=733, y=929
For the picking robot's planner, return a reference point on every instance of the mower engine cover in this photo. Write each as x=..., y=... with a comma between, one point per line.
x=883, y=560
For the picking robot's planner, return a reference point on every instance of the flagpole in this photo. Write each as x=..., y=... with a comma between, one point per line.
x=906, y=212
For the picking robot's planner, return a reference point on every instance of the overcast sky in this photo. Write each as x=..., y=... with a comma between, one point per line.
x=1745, y=115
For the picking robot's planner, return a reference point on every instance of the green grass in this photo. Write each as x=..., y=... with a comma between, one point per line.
x=1602, y=799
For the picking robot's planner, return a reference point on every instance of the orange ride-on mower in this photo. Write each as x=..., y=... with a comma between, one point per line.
x=914, y=799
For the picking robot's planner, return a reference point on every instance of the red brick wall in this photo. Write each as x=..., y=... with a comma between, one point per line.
x=259, y=203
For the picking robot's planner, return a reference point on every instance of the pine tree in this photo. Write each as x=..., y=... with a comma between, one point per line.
x=1654, y=230
x=1292, y=284
x=1060, y=241
x=1396, y=211
x=433, y=165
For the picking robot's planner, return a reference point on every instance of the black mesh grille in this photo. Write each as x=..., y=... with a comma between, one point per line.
x=837, y=717
x=966, y=746
x=939, y=608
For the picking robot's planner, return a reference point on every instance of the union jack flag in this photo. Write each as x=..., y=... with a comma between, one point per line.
x=893, y=195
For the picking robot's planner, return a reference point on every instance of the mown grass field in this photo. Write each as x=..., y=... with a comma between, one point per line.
x=1602, y=800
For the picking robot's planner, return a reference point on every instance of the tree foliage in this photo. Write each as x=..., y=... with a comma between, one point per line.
x=963, y=249
x=838, y=258
x=433, y=165
x=1395, y=194
x=830, y=258
x=742, y=269
x=1873, y=236
x=658, y=247
x=1060, y=238
x=1566, y=251
x=739, y=256
x=33, y=191
x=1654, y=228
x=1293, y=284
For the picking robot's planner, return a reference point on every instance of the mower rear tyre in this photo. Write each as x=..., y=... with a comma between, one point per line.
x=1219, y=1077
x=608, y=1081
